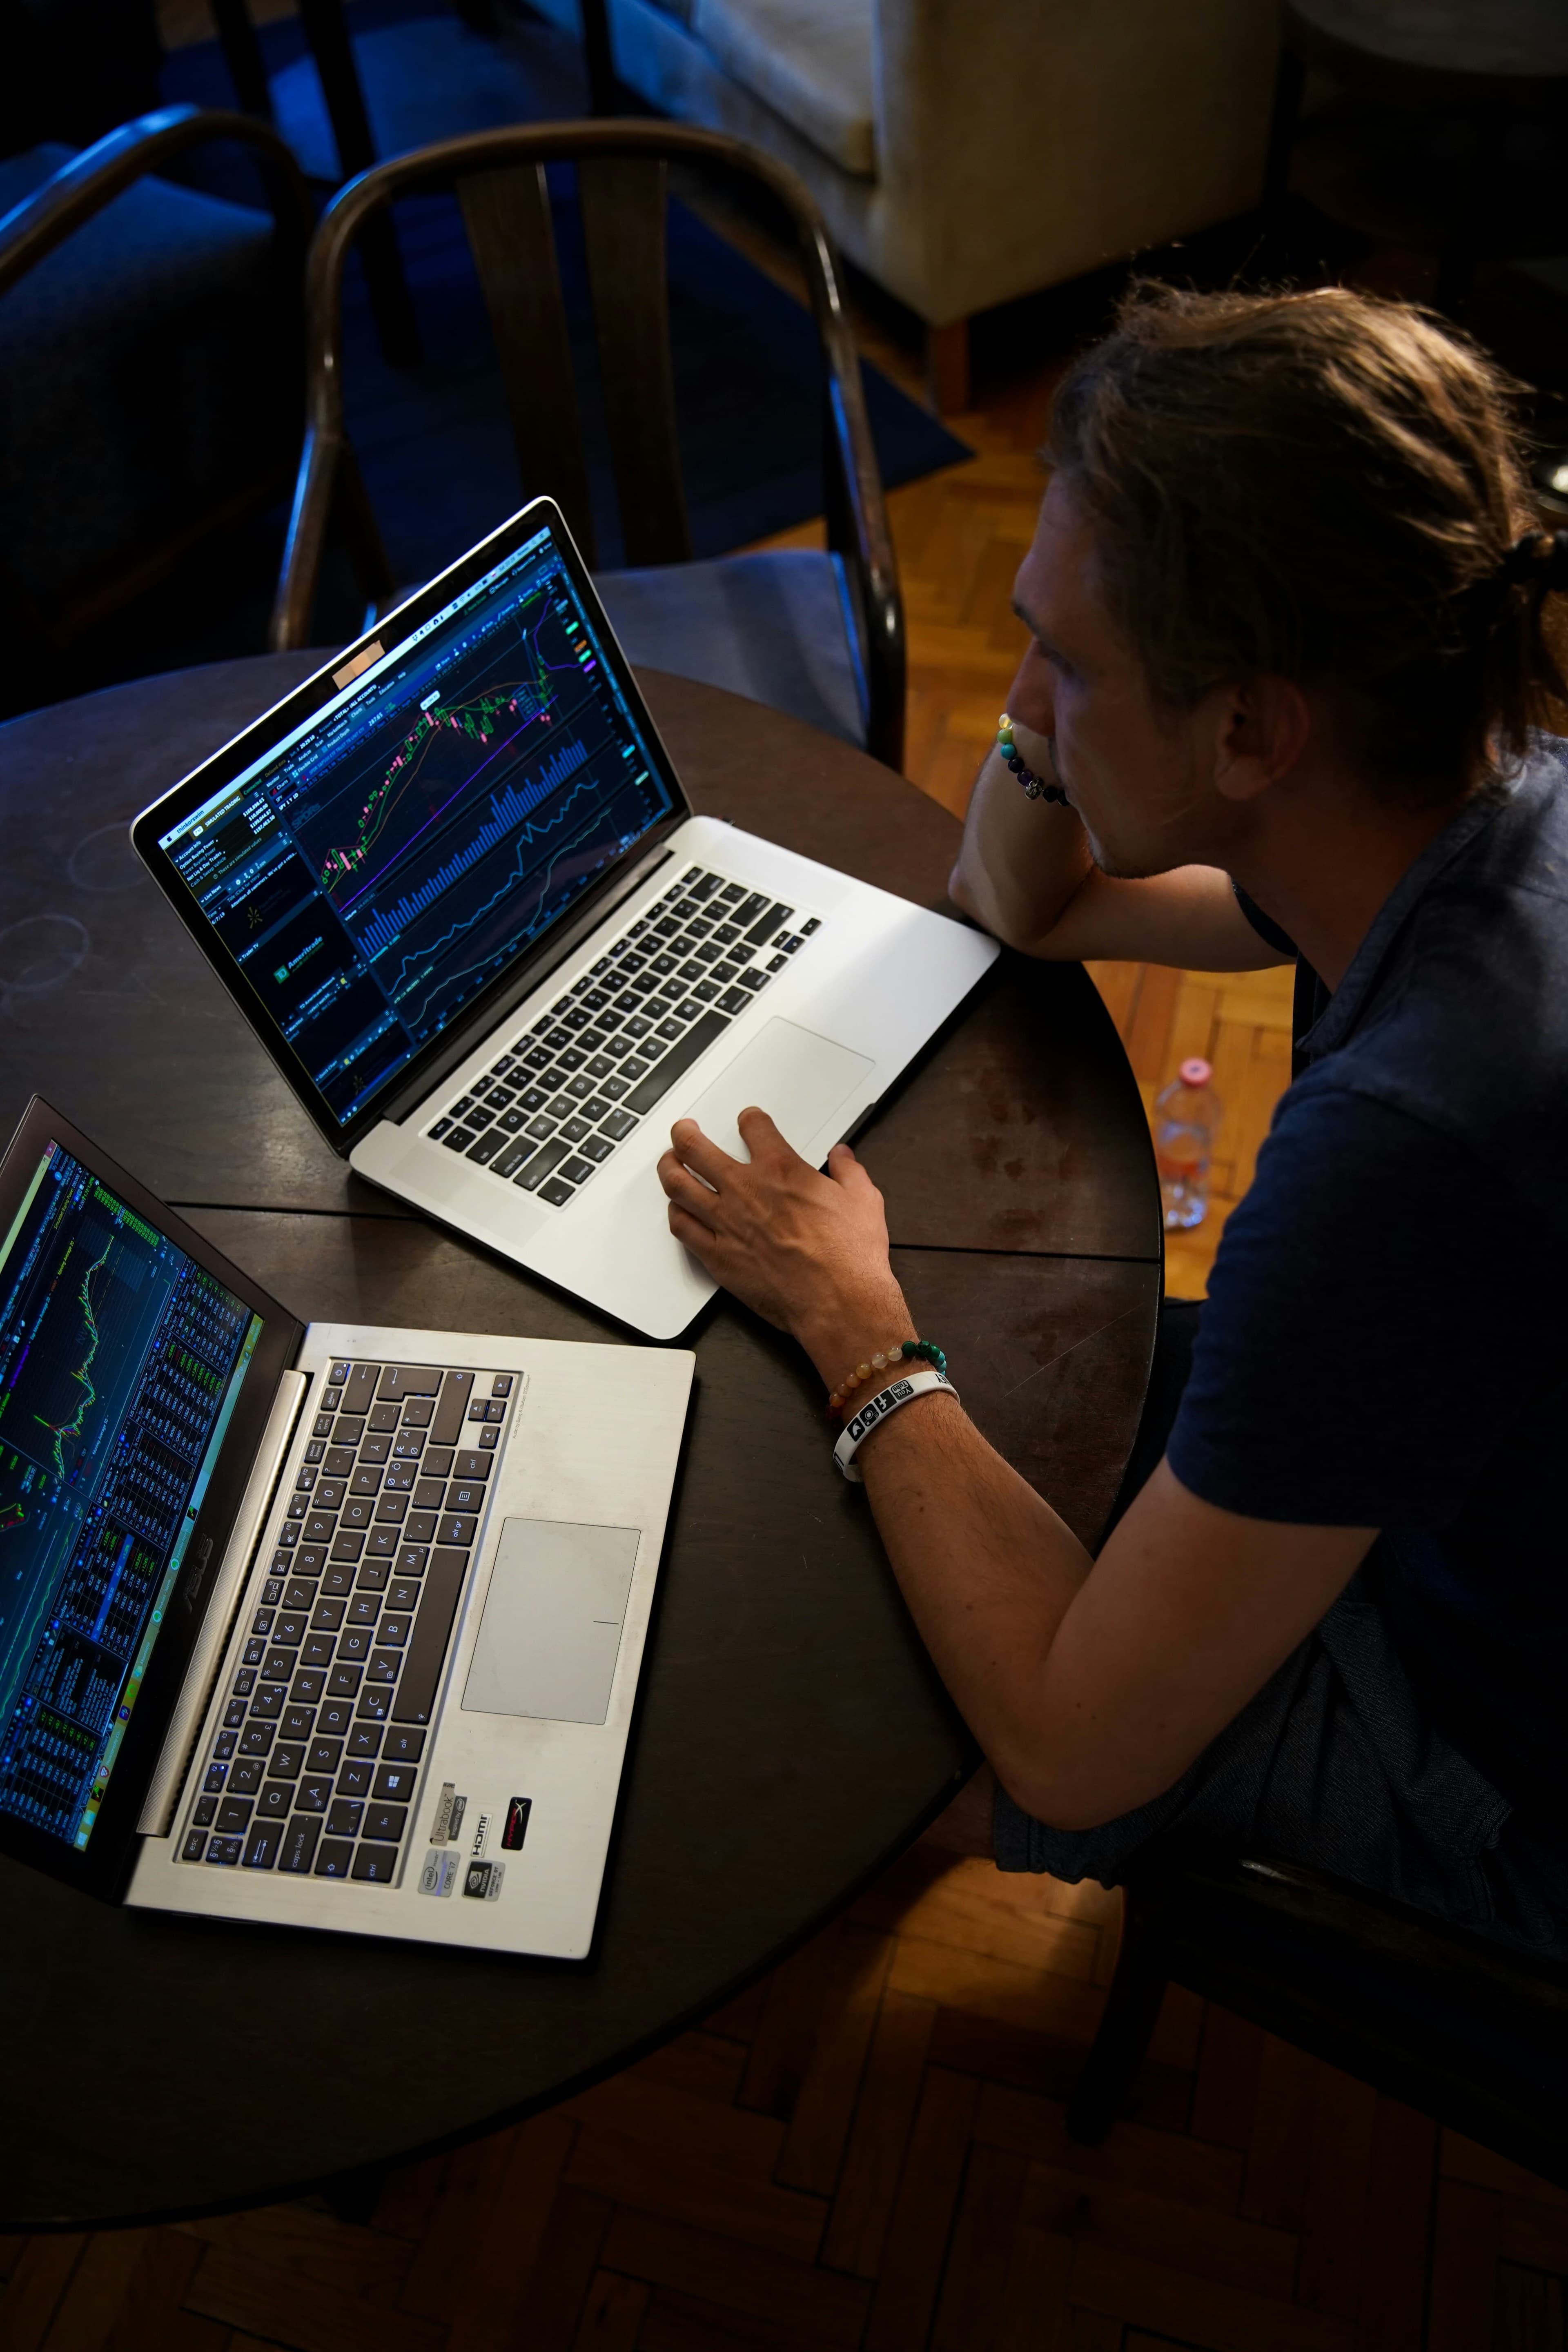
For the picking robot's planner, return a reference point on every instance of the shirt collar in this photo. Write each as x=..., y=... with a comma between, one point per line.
x=1345, y=1005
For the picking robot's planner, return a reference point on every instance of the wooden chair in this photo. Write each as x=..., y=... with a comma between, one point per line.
x=149, y=344
x=332, y=53
x=820, y=636
x=1468, y=2030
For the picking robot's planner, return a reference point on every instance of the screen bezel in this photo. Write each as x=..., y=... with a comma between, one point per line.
x=104, y=1865
x=453, y=1042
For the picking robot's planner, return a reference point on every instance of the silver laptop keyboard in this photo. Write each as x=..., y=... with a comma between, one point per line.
x=315, y=1763
x=556, y=1104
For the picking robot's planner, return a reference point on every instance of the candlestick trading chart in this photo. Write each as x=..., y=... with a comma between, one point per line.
x=119, y=1361
x=375, y=877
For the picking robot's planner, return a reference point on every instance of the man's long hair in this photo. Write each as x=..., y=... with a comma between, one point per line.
x=1322, y=487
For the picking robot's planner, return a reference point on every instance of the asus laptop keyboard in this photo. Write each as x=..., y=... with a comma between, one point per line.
x=316, y=1760
x=554, y=1107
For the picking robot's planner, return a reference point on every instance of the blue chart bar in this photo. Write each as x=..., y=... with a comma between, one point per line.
x=508, y=809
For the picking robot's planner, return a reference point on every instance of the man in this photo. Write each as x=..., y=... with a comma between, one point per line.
x=1286, y=660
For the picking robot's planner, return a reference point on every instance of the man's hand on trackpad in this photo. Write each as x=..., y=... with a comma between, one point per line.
x=808, y=1250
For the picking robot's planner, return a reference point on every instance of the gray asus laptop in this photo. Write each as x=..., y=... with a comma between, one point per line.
x=455, y=886
x=325, y=1625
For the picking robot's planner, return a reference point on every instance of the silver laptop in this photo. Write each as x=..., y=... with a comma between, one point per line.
x=454, y=884
x=324, y=1624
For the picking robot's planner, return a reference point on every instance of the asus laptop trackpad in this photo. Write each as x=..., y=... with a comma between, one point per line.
x=552, y=1628
x=797, y=1077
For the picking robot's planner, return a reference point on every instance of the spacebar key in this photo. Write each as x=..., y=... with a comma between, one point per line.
x=676, y=1063
x=432, y=1632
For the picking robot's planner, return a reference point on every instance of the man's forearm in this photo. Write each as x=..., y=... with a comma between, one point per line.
x=1026, y=873
x=986, y=1566
x=1022, y=861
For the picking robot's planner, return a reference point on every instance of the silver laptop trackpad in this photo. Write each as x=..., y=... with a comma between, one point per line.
x=797, y=1077
x=552, y=1628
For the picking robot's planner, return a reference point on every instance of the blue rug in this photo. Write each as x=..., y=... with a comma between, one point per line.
x=434, y=441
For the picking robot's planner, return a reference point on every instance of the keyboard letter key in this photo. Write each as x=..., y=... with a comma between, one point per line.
x=299, y=1850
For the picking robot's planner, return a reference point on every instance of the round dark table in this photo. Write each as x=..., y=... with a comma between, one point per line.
x=792, y=1736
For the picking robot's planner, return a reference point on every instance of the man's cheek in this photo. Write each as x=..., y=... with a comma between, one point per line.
x=1034, y=699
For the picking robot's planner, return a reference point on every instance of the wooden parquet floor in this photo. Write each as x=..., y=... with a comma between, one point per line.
x=867, y=2150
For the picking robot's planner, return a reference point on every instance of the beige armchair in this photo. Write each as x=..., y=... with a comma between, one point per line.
x=965, y=152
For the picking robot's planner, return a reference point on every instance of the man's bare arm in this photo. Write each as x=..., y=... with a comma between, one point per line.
x=1091, y=1686
x=1024, y=874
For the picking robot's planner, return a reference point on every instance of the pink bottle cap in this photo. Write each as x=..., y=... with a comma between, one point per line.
x=1196, y=1073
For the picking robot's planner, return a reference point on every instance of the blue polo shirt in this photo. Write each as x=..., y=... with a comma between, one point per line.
x=1385, y=1342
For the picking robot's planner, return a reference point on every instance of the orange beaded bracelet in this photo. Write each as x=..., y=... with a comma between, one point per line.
x=886, y=1359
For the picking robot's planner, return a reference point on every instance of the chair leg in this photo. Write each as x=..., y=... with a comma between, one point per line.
x=1131, y=2006
x=242, y=55
x=326, y=30
x=947, y=367
x=599, y=58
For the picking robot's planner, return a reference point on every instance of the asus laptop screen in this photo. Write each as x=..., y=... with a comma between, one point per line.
x=121, y=1362
x=375, y=871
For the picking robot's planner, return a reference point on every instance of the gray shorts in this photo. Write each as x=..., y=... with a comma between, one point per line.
x=1335, y=1765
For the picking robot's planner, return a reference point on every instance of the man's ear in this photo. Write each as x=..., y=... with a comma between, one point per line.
x=1260, y=730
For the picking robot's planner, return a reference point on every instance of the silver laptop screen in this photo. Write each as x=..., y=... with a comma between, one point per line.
x=377, y=869
x=122, y=1362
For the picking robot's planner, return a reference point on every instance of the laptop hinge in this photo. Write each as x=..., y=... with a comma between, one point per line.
x=196, y=1689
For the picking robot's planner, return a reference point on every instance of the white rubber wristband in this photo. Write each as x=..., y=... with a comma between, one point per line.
x=875, y=1411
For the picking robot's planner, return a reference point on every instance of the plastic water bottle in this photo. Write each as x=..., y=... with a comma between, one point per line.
x=1186, y=1114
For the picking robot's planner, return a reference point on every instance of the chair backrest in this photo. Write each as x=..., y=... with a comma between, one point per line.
x=94, y=518
x=622, y=168
x=105, y=170
x=511, y=237
x=1468, y=2030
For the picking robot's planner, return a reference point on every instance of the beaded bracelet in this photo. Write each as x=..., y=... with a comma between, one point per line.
x=1034, y=786
x=903, y=1350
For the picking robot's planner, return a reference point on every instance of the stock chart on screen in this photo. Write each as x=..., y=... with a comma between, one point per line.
x=120, y=1360
x=374, y=874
